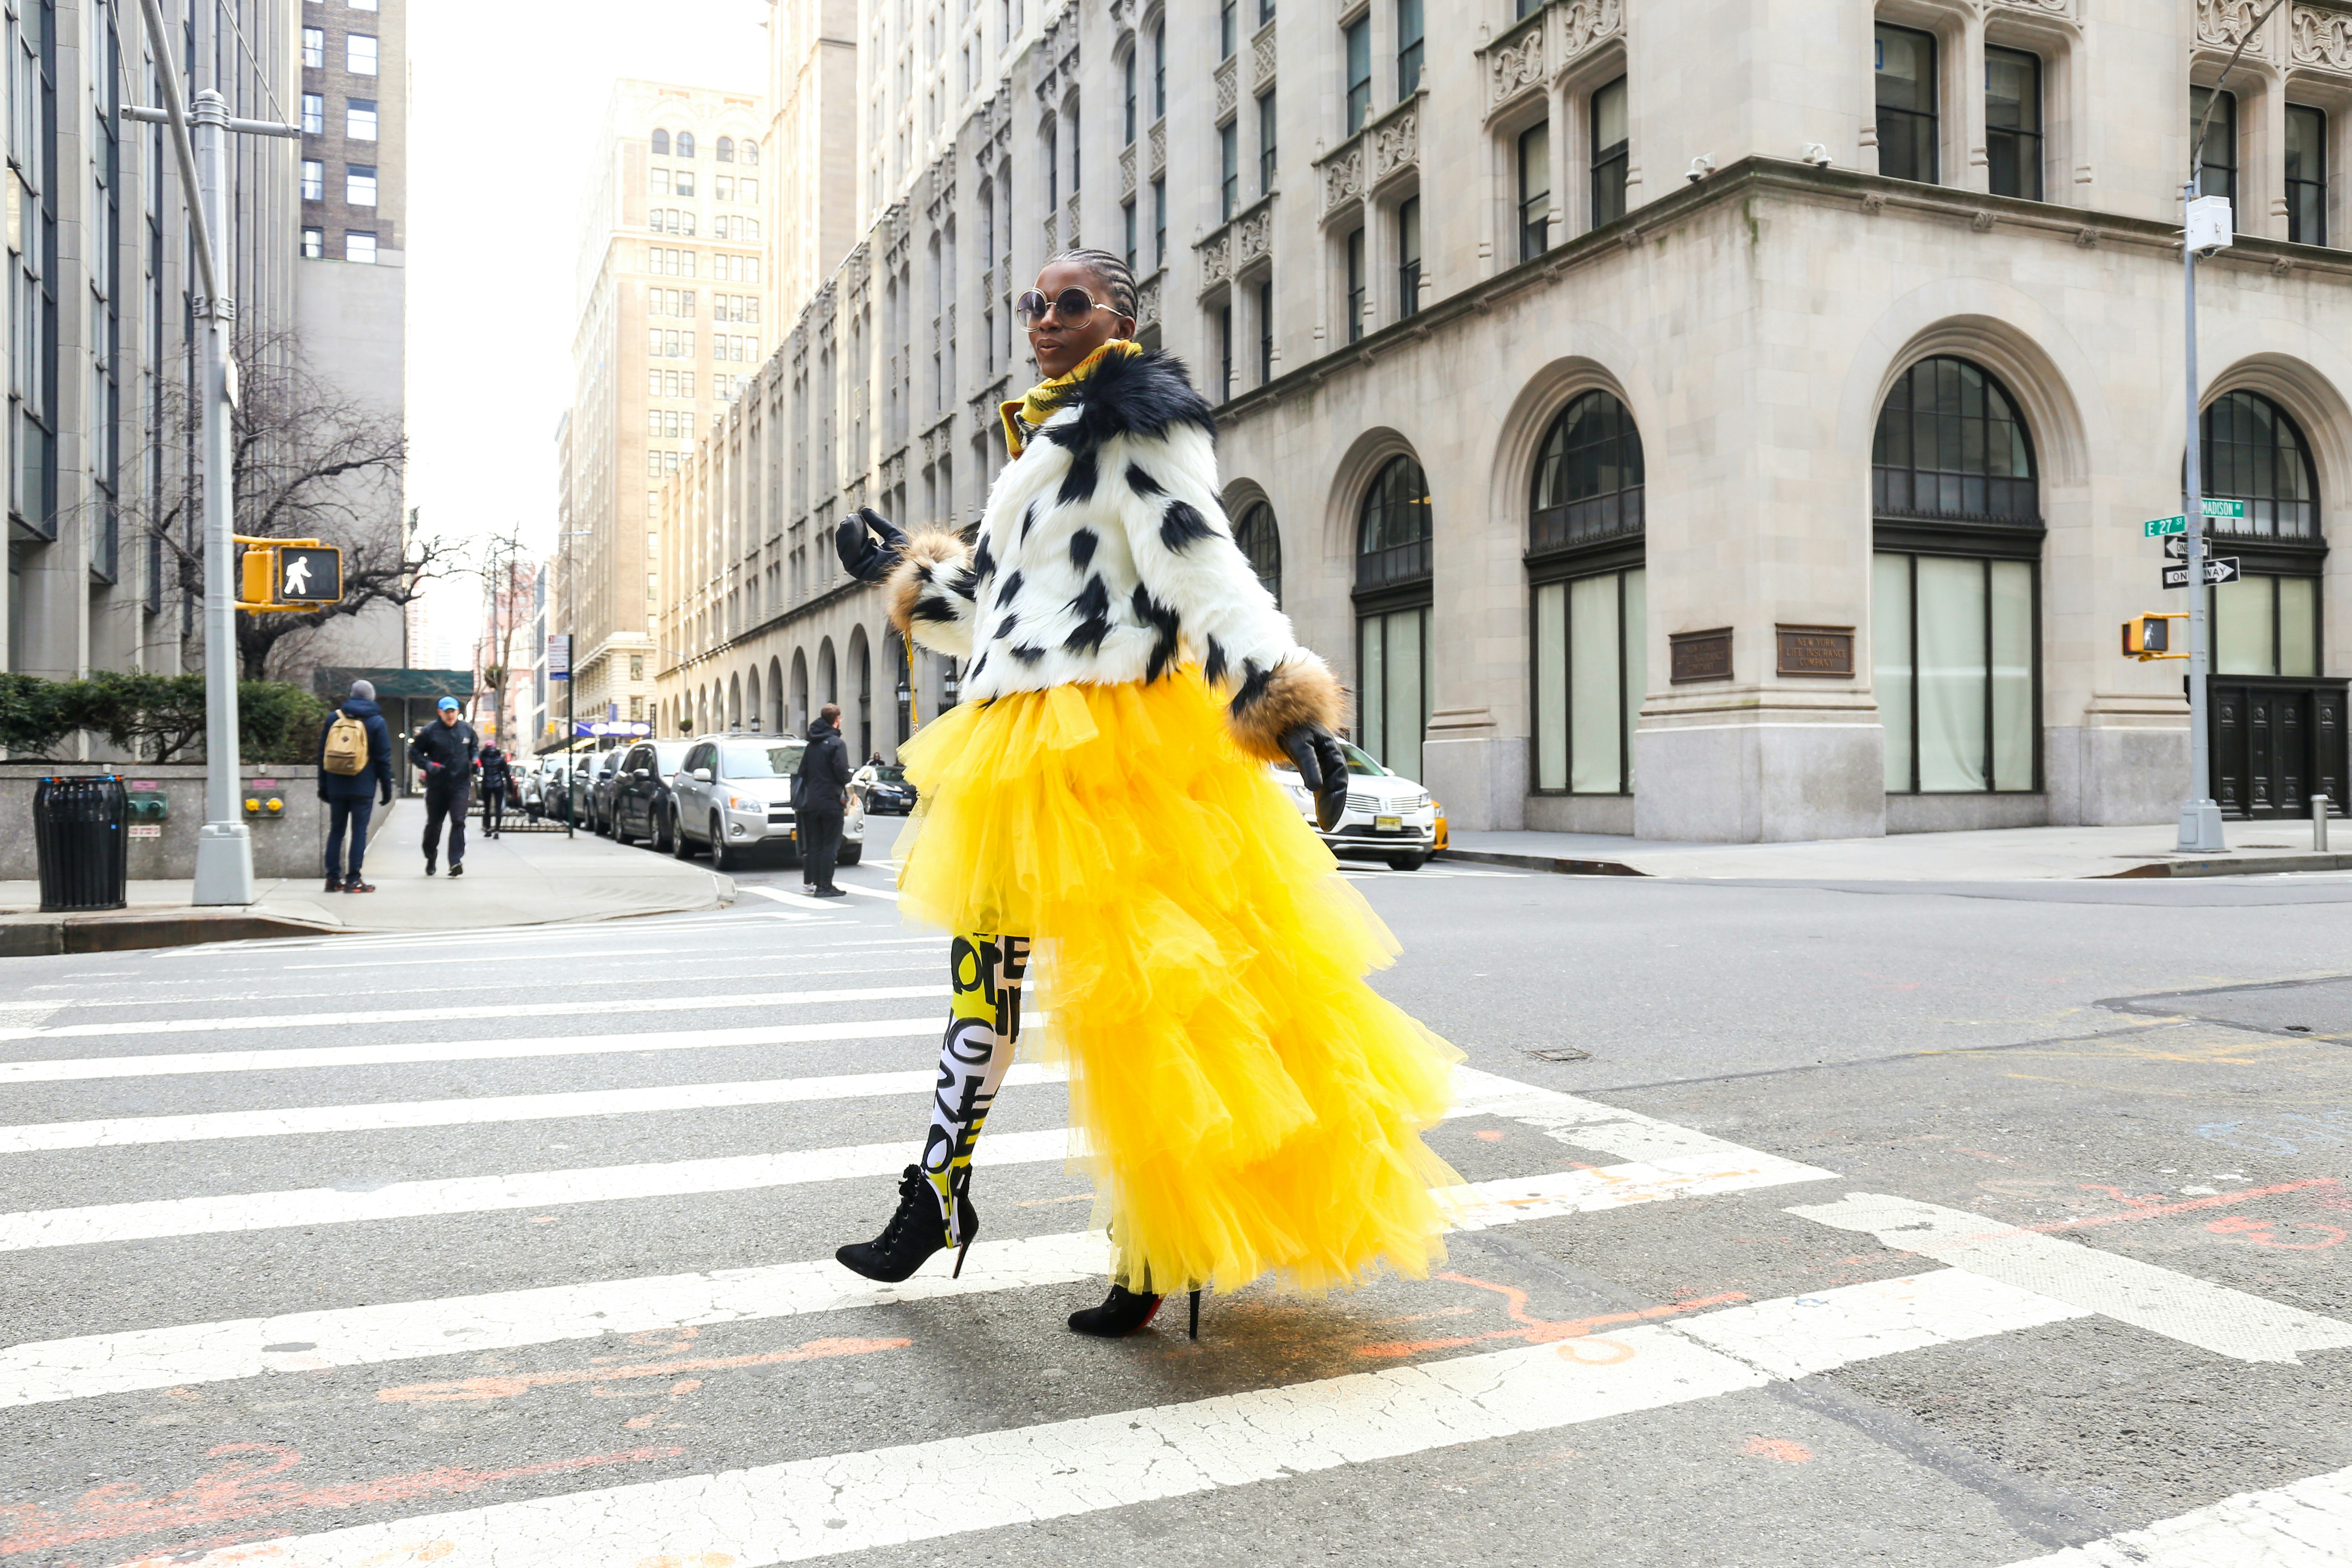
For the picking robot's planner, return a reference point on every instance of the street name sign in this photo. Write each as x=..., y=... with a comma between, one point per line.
x=2217, y=569
x=2157, y=527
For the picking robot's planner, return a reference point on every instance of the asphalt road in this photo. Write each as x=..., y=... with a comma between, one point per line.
x=1943, y=1226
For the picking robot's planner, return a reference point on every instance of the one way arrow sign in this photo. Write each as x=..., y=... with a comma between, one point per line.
x=2222, y=569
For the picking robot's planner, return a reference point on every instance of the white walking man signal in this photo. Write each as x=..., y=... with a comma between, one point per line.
x=298, y=577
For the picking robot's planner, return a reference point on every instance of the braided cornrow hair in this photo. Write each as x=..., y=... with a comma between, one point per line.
x=1116, y=277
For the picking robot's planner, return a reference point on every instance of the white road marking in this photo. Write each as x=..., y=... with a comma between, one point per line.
x=2306, y=1525
x=71, y=1068
x=868, y=892
x=467, y=1012
x=798, y=901
x=2177, y=1306
x=39, y=1228
x=95, y=1364
x=841, y=1503
x=117, y=1132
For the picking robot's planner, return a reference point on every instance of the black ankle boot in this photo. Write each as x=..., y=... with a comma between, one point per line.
x=1126, y=1312
x=913, y=1234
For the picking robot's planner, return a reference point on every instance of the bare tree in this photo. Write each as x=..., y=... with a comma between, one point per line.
x=307, y=461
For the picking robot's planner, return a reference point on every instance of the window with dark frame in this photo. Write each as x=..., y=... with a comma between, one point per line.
x=1126, y=223
x=1160, y=69
x=1261, y=545
x=1358, y=40
x=2013, y=123
x=1265, y=332
x=1393, y=554
x=1410, y=46
x=2252, y=450
x=1955, y=617
x=1229, y=29
x=1229, y=169
x=1589, y=590
x=1356, y=279
x=1266, y=141
x=1905, y=77
x=2306, y=174
x=1127, y=75
x=1611, y=152
x=1409, y=257
x=2217, y=159
x=1160, y=222
x=1224, y=352
x=1535, y=190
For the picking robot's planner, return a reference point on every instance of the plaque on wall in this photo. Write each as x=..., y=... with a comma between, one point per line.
x=1700, y=656
x=1816, y=650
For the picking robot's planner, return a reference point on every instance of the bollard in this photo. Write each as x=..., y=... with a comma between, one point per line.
x=2319, y=822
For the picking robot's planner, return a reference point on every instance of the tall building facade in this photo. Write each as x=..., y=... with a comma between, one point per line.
x=97, y=444
x=1688, y=419
x=673, y=282
x=351, y=290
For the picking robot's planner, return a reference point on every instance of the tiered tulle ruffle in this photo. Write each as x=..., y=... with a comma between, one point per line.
x=1248, y=1103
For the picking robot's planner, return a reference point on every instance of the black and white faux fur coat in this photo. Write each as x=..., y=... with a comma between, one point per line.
x=1104, y=557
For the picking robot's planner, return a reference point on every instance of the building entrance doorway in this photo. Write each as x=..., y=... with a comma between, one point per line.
x=2277, y=742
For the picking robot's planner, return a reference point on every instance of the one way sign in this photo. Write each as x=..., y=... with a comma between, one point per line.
x=2222, y=569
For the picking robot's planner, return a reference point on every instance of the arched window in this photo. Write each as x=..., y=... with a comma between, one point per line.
x=661, y=144
x=1393, y=596
x=725, y=152
x=747, y=152
x=2253, y=452
x=1588, y=480
x=1589, y=647
x=686, y=144
x=1955, y=608
x=1261, y=541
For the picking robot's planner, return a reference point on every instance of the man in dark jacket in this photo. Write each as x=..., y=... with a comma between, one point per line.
x=497, y=778
x=444, y=750
x=818, y=800
x=352, y=797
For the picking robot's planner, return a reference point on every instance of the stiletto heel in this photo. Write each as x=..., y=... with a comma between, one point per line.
x=1196, y=1314
x=958, y=1272
x=913, y=1234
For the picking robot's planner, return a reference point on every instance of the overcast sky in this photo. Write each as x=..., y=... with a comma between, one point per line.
x=507, y=99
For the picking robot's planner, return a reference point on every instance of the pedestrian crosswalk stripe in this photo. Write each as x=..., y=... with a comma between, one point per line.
x=115, y=1132
x=2177, y=1306
x=797, y=900
x=65, y=1070
x=94, y=1365
x=473, y=1013
x=841, y=1503
x=2307, y=1524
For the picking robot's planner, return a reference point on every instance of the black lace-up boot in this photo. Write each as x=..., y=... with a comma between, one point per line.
x=1126, y=1312
x=914, y=1232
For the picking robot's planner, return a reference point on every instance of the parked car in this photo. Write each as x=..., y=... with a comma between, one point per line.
x=589, y=771
x=641, y=793
x=882, y=788
x=733, y=793
x=531, y=776
x=1388, y=814
x=605, y=786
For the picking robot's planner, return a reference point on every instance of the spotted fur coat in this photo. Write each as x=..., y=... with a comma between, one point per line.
x=1104, y=557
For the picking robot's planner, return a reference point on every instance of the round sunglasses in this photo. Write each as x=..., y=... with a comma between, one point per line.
x=1072, y=305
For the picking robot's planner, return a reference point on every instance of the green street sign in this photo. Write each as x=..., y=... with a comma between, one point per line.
x=2157, y=527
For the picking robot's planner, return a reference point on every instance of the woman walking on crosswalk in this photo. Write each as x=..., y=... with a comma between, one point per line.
x=1100, y=803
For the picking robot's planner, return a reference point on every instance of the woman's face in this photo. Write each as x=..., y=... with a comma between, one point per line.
x=1059, y=345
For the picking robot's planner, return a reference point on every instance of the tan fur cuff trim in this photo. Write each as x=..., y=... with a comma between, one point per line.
x=927, y=555
x=1300, y=690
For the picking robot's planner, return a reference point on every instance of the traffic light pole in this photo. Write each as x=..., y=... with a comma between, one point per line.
x=200, y=135
x=2200, y=816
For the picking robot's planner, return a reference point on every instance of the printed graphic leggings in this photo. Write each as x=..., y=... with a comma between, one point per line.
x=983, y=1026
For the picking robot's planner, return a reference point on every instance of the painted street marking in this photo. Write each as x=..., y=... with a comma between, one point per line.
x=2306, y=1525
x=868, y=892
x=117, y=1132
x=69, y=1068
x=472, y=1013
x=96, y=1364
x=841, y=1503
x=798, y=901
x=2177, y=1306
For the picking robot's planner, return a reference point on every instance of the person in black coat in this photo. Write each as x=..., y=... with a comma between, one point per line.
x=820, y=786
x=444, y=751
x=498, y=780
x=352, y=797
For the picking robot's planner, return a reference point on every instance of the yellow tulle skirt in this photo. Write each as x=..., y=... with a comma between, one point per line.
x=1247, y=1103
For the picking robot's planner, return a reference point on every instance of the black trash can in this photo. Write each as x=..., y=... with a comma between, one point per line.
x=84, y=853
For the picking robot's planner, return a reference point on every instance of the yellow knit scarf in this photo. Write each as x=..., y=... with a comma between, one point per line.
x=1031, y=409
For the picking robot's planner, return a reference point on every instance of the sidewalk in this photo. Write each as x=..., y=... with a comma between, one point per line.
x=1995, y=855
x=524, y=878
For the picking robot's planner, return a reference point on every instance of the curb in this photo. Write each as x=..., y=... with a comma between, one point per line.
x=1542, y=863
x=123, y=934
x=2310, y=861
x=2270, y=865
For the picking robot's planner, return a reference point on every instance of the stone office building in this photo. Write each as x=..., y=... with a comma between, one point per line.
x=1746, y=441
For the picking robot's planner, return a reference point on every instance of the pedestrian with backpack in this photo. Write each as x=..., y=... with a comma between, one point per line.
x=498, y=778
x=355, y=770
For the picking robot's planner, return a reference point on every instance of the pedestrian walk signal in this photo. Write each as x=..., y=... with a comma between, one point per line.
x=289, y=574
x=2151, y=637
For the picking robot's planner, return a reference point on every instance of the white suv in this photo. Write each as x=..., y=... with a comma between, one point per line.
x=1388, y=814
x=734, y=792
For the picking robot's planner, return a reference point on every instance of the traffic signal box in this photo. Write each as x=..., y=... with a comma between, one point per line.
x=2151, y=635
x=289, y=574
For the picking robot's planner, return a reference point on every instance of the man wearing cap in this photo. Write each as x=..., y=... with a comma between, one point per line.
x=445, y=751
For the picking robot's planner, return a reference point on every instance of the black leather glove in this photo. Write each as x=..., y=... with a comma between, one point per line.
x=385, y=797
x=861, y=557
x=1322, y=768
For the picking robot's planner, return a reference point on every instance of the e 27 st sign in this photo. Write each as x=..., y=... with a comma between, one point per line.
x=2157, y=527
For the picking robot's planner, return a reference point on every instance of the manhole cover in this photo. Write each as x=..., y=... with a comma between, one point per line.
x=1561, y=1054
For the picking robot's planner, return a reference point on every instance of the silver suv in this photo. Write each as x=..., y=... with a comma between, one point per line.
x=734, y=793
